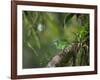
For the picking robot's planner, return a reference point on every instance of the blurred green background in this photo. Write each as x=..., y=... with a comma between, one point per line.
x=47, y=33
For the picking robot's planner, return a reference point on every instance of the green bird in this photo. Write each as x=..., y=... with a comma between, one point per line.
x=61, y=43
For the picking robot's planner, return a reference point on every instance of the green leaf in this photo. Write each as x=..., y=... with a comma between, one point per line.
x=36, y=38
x=31, y=47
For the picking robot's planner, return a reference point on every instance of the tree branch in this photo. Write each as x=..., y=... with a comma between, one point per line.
x=74, y=47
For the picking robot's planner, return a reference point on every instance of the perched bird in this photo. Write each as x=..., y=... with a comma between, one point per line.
x=61, y=43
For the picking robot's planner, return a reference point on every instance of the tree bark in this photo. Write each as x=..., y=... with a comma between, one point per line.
x=74, y=47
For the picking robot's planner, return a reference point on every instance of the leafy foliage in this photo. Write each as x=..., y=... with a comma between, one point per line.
x=47, y=33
